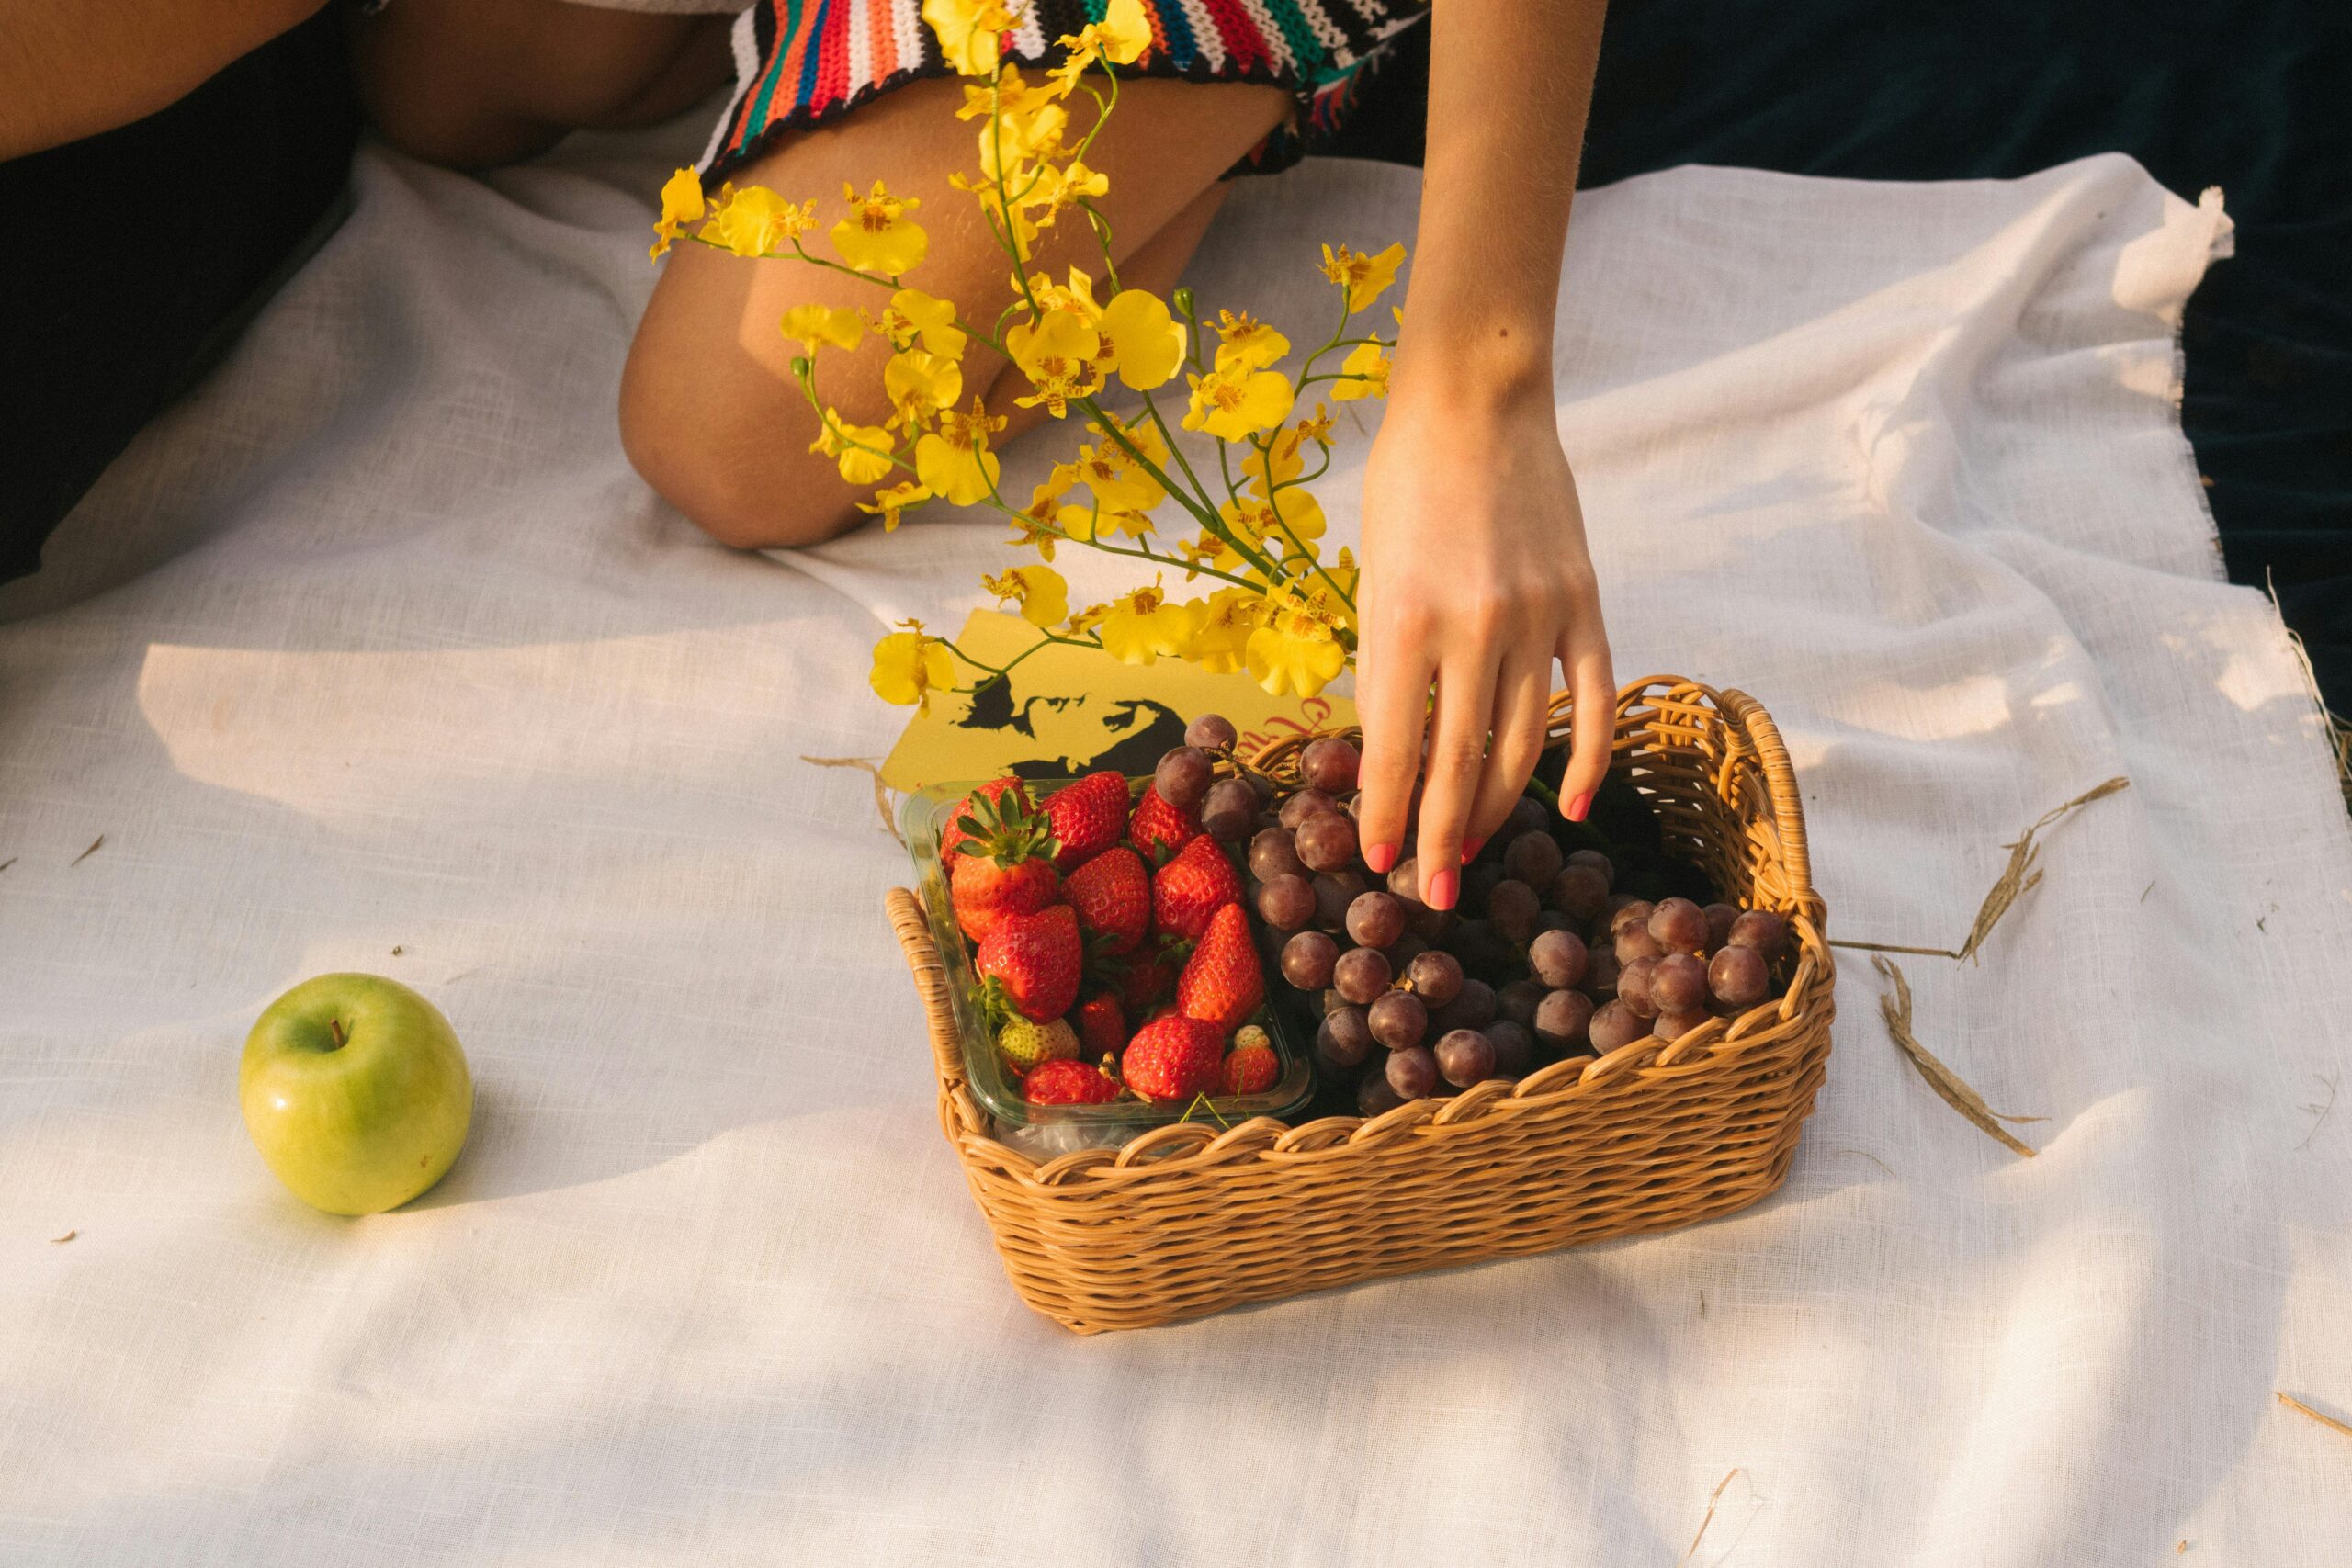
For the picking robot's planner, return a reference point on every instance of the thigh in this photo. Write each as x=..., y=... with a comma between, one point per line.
x=709, y=411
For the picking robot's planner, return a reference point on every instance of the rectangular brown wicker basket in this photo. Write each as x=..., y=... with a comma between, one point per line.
x=1188, y=1219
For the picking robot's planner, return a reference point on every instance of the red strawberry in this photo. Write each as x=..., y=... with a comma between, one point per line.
x=1006, y=868
x=1159, y=830
x=1102, y=1026
x=1173, y=1059
x=1088, y=817
x=1198, y=882
x=994, y=793
x=1250, y=1070
x=1145, y=981
x=1070, y=1083
x=1111, y=893
x=1032, y=963
x=1222, y=983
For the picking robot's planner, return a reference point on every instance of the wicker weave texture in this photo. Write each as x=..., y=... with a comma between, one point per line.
x=1190, y=1219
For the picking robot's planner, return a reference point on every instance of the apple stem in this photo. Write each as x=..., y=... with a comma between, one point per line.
x=335, y=1026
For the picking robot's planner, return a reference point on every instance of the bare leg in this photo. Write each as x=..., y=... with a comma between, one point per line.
x=473, y=83
x=709, y=412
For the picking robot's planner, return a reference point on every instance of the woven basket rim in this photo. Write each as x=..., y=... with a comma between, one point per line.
x=1185, y=1147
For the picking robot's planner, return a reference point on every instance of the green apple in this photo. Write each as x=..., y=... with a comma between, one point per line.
x=355, y=1092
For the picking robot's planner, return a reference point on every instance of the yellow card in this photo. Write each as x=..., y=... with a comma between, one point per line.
x=1067, y=711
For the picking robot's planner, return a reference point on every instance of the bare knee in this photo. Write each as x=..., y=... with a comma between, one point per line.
x=739, y=475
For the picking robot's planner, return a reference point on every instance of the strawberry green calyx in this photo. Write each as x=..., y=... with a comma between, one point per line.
x=1006, y=830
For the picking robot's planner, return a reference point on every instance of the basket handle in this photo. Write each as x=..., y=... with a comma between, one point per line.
x=931, y=982
x=1780, y=782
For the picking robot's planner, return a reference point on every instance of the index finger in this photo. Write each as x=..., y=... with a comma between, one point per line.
x=1393, y=674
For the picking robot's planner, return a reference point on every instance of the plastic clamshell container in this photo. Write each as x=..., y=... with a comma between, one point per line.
x=922, y=818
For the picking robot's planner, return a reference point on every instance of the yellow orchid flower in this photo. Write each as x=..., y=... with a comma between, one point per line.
x=954, y=461
x=1039, y=592
x=1234, y=404
x=1276, y=462
x=1364, y=276
x=1146, y=338
x=1098, y=521
x=1057, y=355
x=755, y=221
x=919, y=384
x=1038, y=524
x=914, y=316
x=1140, y=626
x=1018, y=136
x=1057, y=189
x=681, y=203
x=1368, y=364
x=1314, y=427
x=1245, y=341
x=862, y=452
x=968, y=32
x=909, y=666
x=1296, y=649
x=1222, y=629
x=1121, y=36
x=1119, y=483
x=887, y=504
x=877, y=236
x=818, y=324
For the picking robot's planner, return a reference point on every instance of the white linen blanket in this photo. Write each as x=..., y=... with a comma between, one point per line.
x=374, y=655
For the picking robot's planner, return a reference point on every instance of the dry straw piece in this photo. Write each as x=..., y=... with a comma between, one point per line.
x=1895, y=1006
x=1188, y=1218
x=2330, y=1422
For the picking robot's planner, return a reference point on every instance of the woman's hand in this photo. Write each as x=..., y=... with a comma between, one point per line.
x=1476, y=578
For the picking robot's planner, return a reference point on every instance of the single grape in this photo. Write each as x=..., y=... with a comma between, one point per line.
x=1527, y=815
x=1183, y=778
x=1599, y=862
x=1511, y=908
x=1334, y=891
x=1473, y=1007
x=1561, y=1019
x=1719, y=920
x=1465, y=1056
x=1286, y=902
x=1514, y=1048
x=1429, y=925
x=1483, y=950
x=1578, y=892
x=1229, y=811
x=1405, y=880
x=1679, y=926
x=1360, y=975
x=1636, y=941
x=1273, y=855
x=1634, y=988
x=1374, y=1097
x=1307, y=959
x=1615, y=1025
x=1631, y=912
x=1678, y=984
x=1403, y=950
x=1435, y=977
x=1553, y=920
x=1601, y=973
x=1674, y=1023
x=1516, y=1002
x=1738, y=977
x=1412, y=1073
x=1478, y=880
x=1762, y=930
x=1327, y=840
x=1304, y=804
x=1264, y=788
x=1533, y=858
x=1345, y=1038
x=1375, y=920
x=1329, y=765
x=1557, y=958
x=1212, y=732
x=1398, y=1019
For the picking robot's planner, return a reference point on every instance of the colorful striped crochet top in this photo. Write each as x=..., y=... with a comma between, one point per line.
x=804, y=62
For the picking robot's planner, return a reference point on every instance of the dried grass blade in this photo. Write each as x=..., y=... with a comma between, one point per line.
x=881, y=790
x=1713, y=1498
x=1950, y=1086
x=2339, y=732
x=86, y=855
x=2330, y=1422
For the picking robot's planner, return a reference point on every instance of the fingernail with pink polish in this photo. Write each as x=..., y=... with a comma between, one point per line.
x=1446, y=888
x=1380, y=857
x=1579, y=806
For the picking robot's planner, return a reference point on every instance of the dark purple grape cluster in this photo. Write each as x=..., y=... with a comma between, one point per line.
x=1543, y=960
